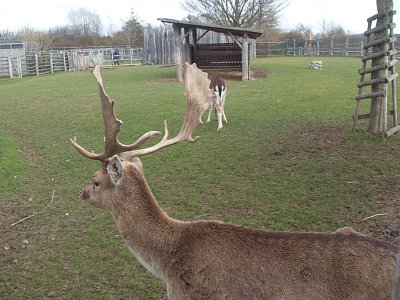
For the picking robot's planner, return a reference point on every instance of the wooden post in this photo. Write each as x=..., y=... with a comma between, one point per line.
x=19, y=66
x=384, y=102
x=64, y=61
x=167, y=47
x=10, y=71
x=393, y=71
x=269, y=48
x=145, y=44
x=187, y=46
x=162, y=57
x=154, y=47
x=51, y=62
x=362, y=48
x=163, y=46
x=70, y=61
x=377, y=110
x=178, y=53
x=194, y=36
x=294, y=47
x=37, y=64
x=245, y=58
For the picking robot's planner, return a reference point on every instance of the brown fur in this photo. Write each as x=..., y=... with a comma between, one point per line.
x=215, y=260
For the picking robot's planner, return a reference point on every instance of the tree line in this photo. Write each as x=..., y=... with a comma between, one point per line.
x=85, y=29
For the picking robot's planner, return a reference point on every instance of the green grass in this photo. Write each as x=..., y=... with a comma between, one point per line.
x=11, y=164
x=263, y=170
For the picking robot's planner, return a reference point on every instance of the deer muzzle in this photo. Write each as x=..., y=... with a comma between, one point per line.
x=84, y=195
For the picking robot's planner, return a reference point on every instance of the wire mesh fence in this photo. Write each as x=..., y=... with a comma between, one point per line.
x=335, y=46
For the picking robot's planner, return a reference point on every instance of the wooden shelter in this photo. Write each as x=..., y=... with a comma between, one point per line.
x=211, y=56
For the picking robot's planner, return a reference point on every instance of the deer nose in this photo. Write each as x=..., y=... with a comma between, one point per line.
x=83, y=195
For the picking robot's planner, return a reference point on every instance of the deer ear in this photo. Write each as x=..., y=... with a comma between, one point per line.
x=114, y=169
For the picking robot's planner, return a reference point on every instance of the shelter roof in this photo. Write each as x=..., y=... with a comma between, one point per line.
x=236, y=31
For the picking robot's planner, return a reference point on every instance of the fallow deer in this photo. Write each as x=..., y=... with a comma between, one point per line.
x=219, y=88
x=216, y=260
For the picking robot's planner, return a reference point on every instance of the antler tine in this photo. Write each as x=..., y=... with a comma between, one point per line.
x=112, y=127
x=198, y=97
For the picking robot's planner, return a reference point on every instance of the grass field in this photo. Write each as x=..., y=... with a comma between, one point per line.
x=287, y=160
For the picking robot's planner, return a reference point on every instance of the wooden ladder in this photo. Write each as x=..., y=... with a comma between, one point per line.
x=390, y=61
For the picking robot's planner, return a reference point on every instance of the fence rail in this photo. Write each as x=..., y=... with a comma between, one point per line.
x=159, y=45
x=160, y=49
x=66, y=60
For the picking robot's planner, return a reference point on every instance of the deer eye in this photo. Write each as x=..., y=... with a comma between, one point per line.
x=96, y=184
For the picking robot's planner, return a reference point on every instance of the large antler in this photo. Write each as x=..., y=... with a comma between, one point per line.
x=111, y=128
x=198, y=96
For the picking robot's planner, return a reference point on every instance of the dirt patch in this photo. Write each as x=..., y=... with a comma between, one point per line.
x=385, y=224
x=236, y=75
x=231, y=75
x=327, y=140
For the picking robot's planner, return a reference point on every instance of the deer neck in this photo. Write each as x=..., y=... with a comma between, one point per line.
x=147, y=230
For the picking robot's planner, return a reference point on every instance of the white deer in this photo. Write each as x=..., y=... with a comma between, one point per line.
x=219, y=88
x=216, y=260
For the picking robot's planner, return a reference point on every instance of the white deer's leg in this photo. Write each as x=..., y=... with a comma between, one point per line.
x=209, y=113
x=219, y=111
x=219, y=116
x=224, y=116
x=223, y=95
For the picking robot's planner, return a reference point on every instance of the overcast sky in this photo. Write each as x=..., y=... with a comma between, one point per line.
x=44, y=14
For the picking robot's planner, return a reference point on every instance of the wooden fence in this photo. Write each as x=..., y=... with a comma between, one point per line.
x=344, y=46
x=159, y=43
x=159, y=48
x=65, y=60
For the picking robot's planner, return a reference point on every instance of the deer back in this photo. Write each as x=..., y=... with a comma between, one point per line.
x=223, y=261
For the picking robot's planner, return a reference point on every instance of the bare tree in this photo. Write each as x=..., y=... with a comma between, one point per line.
x=237, y=13
x=331, y=29
x=303, y=29
x=324, y=27
x=36, y=40
x=84, y=23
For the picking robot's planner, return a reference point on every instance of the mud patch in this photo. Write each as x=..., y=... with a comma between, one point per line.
x=330, y=139
x=236, y=75
x=327, y=140
x=231, y=75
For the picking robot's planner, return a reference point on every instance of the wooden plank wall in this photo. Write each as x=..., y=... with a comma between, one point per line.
x=159, y=44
